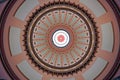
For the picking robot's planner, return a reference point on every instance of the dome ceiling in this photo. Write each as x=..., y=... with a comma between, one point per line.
x=59, y=40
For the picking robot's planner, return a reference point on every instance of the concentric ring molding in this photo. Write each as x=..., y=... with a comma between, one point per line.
x=48, y=58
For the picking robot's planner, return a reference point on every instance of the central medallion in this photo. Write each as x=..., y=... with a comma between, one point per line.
x=60, y=38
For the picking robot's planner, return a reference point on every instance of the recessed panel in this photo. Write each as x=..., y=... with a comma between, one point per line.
x=64, y=79
x=28, y=71
x=14, y=40
x=95, y=69
x=25, y=8
x=95, y=6
x=107, y=37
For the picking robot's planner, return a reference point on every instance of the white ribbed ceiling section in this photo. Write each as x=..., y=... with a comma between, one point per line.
x=61, y=39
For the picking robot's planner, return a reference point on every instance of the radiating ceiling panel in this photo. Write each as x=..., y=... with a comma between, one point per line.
x=14, y=38
x=25, y=9
x=107, y=37
x=28, y=71
x=95, y=6
x=95, y=69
